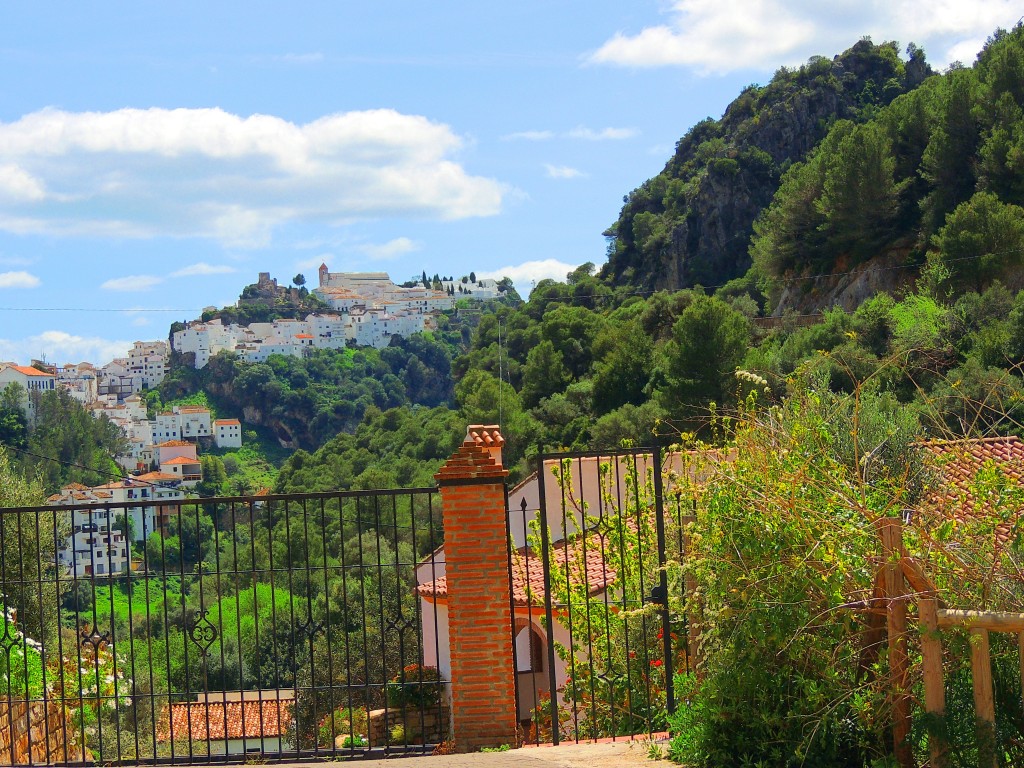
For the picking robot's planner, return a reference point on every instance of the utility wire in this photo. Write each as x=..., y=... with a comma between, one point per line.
x=102, y=472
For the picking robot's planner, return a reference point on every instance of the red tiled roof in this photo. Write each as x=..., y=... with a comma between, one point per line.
x=152, y=477
x=585, y=558
x=27, y=371
x=174, y=443
x=957, y=463
x=180, y=460
x=227, y=720
x=228, y=422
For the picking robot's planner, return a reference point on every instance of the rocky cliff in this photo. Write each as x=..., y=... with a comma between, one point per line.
x=692, y=223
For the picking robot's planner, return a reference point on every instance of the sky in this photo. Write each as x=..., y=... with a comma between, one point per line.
x=155, y=157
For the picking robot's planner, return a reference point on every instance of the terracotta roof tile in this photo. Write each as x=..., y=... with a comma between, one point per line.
x=957, y=464
x=180, y=460
x=585, y=556
x=487, y=435
x=227, y=720
x=27, y=371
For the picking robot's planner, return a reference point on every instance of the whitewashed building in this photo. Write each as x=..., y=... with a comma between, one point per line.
x=148, y=362
x=98, y=544
x=227, y=433
x=31, y=380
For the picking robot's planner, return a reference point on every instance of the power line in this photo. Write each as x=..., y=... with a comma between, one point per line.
x=101, y=472
x=136, y=310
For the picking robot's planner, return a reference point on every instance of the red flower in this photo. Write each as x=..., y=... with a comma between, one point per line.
x=656, y=663
x=632, y=654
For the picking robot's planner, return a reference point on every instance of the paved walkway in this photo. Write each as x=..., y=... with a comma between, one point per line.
x=602, y=755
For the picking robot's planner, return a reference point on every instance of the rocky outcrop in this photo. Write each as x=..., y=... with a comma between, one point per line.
x=848, y=289
x=692, y=223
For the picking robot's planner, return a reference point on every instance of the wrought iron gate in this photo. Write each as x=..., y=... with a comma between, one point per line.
x=166, y=630
x=599, y=628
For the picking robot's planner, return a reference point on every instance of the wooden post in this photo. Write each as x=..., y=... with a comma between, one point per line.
x=1020, y=651
x=984, y=703
x=934, y=687
x=890, y=530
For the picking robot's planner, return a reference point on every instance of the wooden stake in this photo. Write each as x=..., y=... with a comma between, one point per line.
x=894, y=585
x=984, y=703
x=934, y=688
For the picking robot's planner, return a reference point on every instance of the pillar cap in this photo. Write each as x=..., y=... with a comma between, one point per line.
x=470, y=462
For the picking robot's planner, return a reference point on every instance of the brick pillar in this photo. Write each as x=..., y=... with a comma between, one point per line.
x=472, y=486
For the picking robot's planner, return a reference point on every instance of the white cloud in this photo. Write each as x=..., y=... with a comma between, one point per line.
x=18, y=185
x=300, y=58
x=18, y=280
x=390, y=249
x=62, y=347
x=202, y=268
x=728, y=35
x=529, y=272
x=210, y=173
x=314, y=262
x=579, y=132
x=562, y=172
x=530, y=136
x=132, y=283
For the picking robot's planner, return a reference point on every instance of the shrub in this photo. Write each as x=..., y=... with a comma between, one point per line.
x=415, y=687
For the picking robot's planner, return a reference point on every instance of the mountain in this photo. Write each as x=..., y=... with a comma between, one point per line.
x=691, y=224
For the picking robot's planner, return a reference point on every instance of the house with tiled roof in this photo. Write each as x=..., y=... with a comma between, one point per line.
x=227, y=433
x=568, y=545
x=233, y=722
x=953, y=465
x=32, y=381
x=98, y=543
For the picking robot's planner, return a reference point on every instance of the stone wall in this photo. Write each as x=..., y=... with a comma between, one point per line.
x=36, y=733
x=428, y=727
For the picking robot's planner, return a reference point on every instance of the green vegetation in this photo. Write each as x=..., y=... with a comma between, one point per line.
x=936, y=172
x=306, y=401
x=63, y=444
x=691, y=224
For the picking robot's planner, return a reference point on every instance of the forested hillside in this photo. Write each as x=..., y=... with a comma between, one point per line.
x=937, y=175
x=691, y=224
x=917, y=170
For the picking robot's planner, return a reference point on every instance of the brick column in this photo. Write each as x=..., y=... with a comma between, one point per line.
x=472, y=486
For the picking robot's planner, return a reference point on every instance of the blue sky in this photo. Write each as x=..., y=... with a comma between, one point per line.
x=154, y=157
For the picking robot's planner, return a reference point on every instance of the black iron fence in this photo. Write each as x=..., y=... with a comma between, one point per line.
x=209, y=630
x=597, y=540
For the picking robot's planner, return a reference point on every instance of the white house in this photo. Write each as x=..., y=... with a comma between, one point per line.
x=587, y=481
x=233, y=723
x=31, y=380
x=148, y=362
x=227, y=433
x=98, y=545
x=81, y=381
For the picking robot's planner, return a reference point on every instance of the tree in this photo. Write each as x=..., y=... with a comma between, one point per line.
x=545, y=373
x=859, y=197
x=708, y=341
x=28, y=558
x=13, y=423
x=983, y=239
x=299, y=279
x=472, y=277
